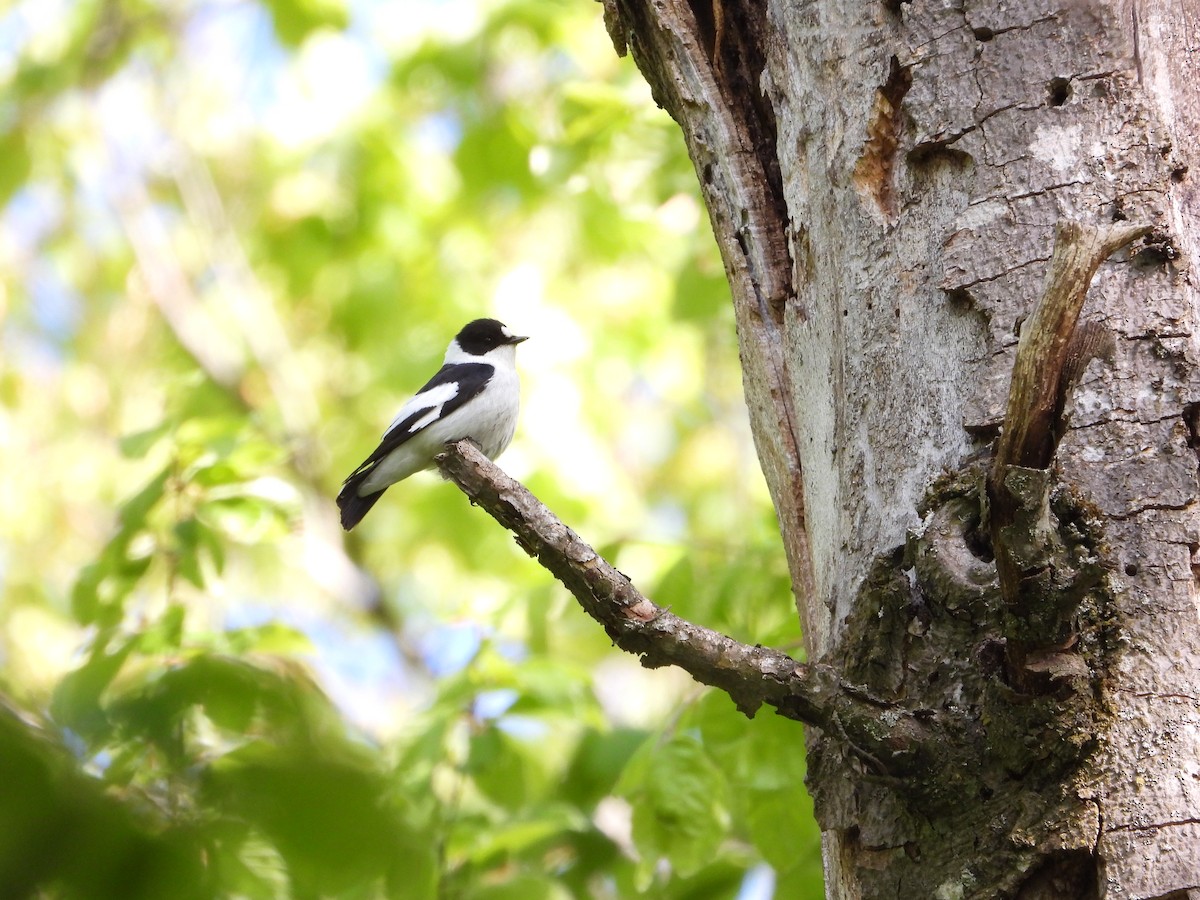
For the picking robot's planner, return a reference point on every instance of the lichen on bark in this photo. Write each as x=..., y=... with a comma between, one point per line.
x=929, y=632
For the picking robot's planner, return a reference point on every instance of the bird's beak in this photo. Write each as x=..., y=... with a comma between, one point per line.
x=517, y=338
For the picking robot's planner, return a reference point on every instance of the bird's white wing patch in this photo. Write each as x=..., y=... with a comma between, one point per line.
x=432, y=400
x=428, y=419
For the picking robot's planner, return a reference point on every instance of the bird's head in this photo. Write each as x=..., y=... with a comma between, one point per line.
x=481, y=338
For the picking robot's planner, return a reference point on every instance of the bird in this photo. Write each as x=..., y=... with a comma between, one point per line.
x=475, y=394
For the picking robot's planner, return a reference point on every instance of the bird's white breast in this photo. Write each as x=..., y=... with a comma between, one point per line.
x=489, y=419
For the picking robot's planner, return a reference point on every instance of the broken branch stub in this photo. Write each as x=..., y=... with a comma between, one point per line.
x=1045, y=348
x=1051, y=355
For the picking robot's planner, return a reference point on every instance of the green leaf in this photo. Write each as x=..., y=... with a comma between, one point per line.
x=138, y=444
x=597, y=764
x=590, y=109
x=805, y=880
x=515, y=836
x=296, y=19
x=245, y=519
x=115, y=852
x=677, y=588
x=166, y=634
x=15, y=163
x=329, y=818
x=523, y=887
x=701, y=292
x=233, y=693
x=76, y=700
x=766, y=753
x=202, y=431
x=101, y=587
x=249, y=864
x=187, y=538
x=499, y=768
x=210, y=542
x=551, y=684
x=780, y=822
x=136, y=508
x=85, y=593
x=273, y=638
x=679, y=802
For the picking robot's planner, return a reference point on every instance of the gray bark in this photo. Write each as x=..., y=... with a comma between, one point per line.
x=885, y=181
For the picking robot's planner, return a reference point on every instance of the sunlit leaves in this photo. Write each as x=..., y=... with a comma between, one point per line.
x=17, y=163
x=76, y=704
x=111, y=850
x=770, y=806
x=296, y=19
x=212, y=491
x=680, y=805
x=102, y=587
x=213, y=637
x=332, y=820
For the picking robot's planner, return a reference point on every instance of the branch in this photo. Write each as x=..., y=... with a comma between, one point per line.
x=1037, y=580
x=1046, y=348
x=888, y=735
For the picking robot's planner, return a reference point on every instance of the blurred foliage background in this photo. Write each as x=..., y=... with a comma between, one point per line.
x=235, y=236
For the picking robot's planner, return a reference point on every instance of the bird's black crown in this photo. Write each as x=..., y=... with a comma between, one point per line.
x=482, y=335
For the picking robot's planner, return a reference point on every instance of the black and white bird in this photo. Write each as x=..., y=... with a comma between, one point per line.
x=474, y=395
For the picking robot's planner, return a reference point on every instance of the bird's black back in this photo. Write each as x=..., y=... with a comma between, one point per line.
x=471, y=378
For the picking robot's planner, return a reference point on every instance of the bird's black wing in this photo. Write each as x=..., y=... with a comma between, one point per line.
x=468, y=378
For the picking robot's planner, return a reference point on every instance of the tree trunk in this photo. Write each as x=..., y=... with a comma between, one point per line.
x=885, y=183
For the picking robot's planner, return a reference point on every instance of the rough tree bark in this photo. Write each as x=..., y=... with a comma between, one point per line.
x=885, y=181
x=993, y=537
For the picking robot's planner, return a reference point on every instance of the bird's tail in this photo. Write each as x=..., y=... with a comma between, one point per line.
x=353, y=506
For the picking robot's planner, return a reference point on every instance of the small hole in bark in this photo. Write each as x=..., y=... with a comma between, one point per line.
x=990, y=657
x=845, y=312
x=930, y=157
x=1179, y=174
x=1118, y=213
x=1059, y=90
x=1066, y=873
x=708, y=174
x=897, y=311
x=978, y=541
x=984, y=431
x=986, y=793
x=934, y=677
x=1191, y=421
x=1157, y=249
x=983, y=35
x=960, y=298
x=1131, y=569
